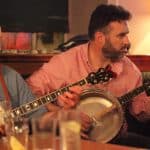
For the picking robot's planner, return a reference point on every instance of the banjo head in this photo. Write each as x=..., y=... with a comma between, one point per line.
x=106, y=112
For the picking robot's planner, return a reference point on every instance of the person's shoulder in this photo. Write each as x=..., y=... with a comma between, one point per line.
x=7, y=70
x=74, y=50
x=70, y=54
x=130, y=64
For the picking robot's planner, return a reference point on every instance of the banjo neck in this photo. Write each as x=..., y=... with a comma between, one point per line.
x=49, y=98
x=125, y=99
x=101, y=76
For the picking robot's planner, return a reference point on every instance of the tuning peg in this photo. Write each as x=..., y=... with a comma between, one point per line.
x=101, y=70
x=113, y=74
x=108, y=67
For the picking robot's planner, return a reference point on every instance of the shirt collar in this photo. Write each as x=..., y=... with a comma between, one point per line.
x=116, y=67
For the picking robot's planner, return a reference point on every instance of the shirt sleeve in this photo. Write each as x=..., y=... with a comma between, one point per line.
x=49, y=77
x=19, y=91
x=140, y=106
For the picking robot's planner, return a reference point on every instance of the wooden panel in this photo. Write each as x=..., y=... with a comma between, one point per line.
x=142, y=61
x=26, y=64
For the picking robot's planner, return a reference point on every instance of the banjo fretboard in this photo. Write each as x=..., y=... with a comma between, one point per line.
x=51, y=97
x=125, y=99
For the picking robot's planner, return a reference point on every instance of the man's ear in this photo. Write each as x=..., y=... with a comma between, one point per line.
x=100, y=37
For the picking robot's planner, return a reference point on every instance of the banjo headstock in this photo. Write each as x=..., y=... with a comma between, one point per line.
x=101, y=76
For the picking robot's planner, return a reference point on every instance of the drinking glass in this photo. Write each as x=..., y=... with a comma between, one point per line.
x=70, y=126
x=4, y=108
x=43, y=135
x=17, y=132
x=4, y=111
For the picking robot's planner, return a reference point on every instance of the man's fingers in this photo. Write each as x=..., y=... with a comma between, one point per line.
x=86, y=119
x=65, y=102
x=76, y=89
x=70, y=98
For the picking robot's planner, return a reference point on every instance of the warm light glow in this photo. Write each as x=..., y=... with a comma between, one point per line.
x=140, y=35
x=144, y=46
x=139, y=25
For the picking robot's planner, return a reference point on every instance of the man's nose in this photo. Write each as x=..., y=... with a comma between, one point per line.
x=126, y=40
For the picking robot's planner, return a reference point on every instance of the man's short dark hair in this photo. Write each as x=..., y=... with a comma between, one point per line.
x=105, y=14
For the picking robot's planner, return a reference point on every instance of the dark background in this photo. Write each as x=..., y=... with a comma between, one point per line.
x=34, y=15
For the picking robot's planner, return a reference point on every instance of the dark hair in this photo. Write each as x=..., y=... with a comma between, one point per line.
x=103, y=15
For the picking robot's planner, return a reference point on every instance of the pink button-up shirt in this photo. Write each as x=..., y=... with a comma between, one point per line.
x=73, y=65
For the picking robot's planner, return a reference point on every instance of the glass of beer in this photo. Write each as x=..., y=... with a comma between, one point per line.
x=70, y=126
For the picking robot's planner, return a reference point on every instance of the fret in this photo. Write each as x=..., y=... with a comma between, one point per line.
x=129, y=96
x=48, y=97
x=32, y=105
x=39, y=102
x=43, y=99
x=24, y=109
x=27, y=107
x=35, y=104
x=136, y=92
x=53, y=95
x=76, y=83
x=82, y=82
x=139, y=90
x=58, y=92
x=17, y=112
x=64, y=89
x=123, y=100
x=13, y=114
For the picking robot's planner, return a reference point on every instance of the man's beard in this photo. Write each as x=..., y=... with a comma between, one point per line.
x=112, y=53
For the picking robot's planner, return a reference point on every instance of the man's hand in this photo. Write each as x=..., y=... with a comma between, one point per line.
x=71, y=98
x=67, y=100
x=86, y=124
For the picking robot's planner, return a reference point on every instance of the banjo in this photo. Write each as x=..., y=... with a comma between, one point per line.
x=101, y=76
x=107, y=111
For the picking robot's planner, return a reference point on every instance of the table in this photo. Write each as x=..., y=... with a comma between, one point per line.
x=85, y=145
